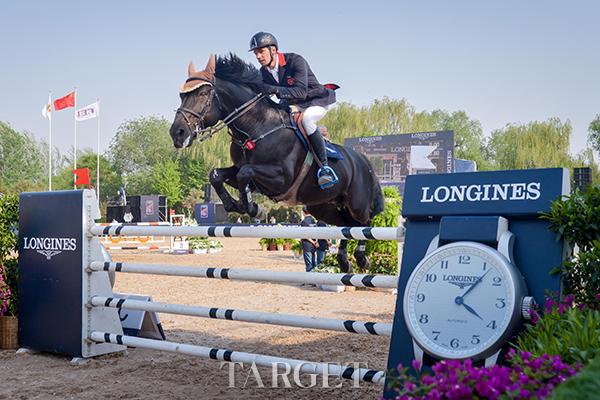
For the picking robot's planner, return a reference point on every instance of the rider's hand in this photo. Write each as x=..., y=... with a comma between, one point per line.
x=269, y=89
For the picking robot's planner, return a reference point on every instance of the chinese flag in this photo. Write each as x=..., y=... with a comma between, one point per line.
x=82, y=176
x=64, y=102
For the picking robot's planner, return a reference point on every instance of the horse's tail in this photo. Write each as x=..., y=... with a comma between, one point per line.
x=378, y=201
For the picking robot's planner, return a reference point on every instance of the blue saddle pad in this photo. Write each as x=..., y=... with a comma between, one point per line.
x=332, y=151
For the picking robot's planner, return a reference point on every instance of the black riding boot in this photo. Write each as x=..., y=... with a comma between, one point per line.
x=325, y=175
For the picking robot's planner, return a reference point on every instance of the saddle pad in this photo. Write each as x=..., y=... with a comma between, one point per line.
x=332, y=151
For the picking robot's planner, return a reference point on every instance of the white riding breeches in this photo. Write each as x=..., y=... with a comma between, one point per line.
x=311, y=116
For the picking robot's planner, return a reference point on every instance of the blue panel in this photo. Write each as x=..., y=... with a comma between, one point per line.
x=505, y=193
x=50, y=288
x=481, y=229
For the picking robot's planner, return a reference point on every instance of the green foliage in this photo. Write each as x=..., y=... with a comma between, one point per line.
x=382, y=248
x=329, y=265
x=594, y=133
x=583, y=386
x=166, y=180
x=571, y=333
x=110, y=181
x=386, y=264
x=532, y=145
x=9, y=226
x=21, y=162
x=194, y=173
x=197, y=243
x=576, y=219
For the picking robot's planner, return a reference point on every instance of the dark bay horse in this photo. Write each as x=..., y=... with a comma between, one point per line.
x=267, y=156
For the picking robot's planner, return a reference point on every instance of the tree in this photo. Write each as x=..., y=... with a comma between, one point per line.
x=166, y=180
x=594, y=133
x=534, y=145
x=22, y=166
x=110, y=181
x=137, y=147
x=468, y=135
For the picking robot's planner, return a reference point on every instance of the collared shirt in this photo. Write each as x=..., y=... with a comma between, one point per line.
x=275, y=70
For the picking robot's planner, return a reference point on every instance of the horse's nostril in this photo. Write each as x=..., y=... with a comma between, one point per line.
x=180, y=132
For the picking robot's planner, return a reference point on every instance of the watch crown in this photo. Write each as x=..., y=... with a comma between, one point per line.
x=527, y=307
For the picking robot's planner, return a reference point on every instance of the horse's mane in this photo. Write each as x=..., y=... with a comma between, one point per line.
x=233, y=69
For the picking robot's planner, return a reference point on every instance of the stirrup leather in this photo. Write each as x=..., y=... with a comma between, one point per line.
x=327, y=170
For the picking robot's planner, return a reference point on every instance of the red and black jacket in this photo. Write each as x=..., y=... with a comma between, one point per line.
x=297, y=83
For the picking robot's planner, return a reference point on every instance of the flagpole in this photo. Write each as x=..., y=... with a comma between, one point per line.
x=98, y=156
x=49, y=142
x=75, y=135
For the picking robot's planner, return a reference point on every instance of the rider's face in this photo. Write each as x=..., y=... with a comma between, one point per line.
x=266, y=56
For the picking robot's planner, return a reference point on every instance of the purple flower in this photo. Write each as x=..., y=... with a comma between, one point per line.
x=416, y=364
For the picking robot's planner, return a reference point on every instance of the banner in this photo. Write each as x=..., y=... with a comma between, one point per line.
x=87, y=112
x=65, y=102
x=82, y=176
x=47, y=110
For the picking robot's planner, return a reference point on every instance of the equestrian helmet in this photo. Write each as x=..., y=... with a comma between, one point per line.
x=262, y=39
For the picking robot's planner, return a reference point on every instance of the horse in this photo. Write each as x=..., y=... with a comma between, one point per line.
x=267, y=156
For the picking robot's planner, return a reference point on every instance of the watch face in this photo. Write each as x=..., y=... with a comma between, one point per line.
x=459, y=301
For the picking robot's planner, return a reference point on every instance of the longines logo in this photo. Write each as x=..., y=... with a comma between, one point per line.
x=49, y=247
x=461, y=281
x=485, y=192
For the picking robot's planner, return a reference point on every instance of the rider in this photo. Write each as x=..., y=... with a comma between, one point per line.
x=289, y=77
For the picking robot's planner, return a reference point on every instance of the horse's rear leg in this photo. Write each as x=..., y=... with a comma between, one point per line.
x=361, y=256
x=333, y=216
x=219, y=176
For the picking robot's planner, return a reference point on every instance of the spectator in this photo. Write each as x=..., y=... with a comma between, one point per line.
x=309, y=246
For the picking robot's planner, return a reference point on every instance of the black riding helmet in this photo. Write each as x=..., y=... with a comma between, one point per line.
x=262, y=39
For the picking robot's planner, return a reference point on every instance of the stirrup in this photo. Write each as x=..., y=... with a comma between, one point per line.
x=327, y=170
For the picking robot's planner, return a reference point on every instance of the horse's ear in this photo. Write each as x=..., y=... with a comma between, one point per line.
x=210, y=66
x=191, y=69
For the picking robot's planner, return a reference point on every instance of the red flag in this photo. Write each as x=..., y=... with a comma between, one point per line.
x=83, y=176
x=64, y=102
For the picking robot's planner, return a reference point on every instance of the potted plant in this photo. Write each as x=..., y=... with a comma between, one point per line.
x=289, y=243
x=9, y=223
x=269, y=244
x=329, y=266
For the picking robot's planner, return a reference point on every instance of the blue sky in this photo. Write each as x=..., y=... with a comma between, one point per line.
x=501, y=62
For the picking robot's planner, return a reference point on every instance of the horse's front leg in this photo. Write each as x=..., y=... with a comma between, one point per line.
x=218, y=177
x=269, y=175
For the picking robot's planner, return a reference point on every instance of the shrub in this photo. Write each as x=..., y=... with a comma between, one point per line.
x=527, y=377
x=9, y=226
x=576, y=219
x=580, y=386
x=572, y=332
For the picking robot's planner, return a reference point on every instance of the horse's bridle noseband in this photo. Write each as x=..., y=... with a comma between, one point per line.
x=199, y=125
x=200, y=131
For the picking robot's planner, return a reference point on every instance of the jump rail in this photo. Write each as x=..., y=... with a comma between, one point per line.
x=298, y=321
x=358, y=280
x=367, y=375
x=271, y=232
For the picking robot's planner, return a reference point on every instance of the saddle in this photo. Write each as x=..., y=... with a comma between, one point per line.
x=296, y=122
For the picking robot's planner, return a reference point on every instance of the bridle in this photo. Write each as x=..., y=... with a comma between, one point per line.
x=202, y=133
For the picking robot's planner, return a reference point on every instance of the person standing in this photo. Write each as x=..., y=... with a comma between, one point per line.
x=309, y=246
x=322, y=245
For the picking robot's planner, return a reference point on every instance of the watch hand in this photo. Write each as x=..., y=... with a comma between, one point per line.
x=471, y=310
x=475, y=284
x=460, y=301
